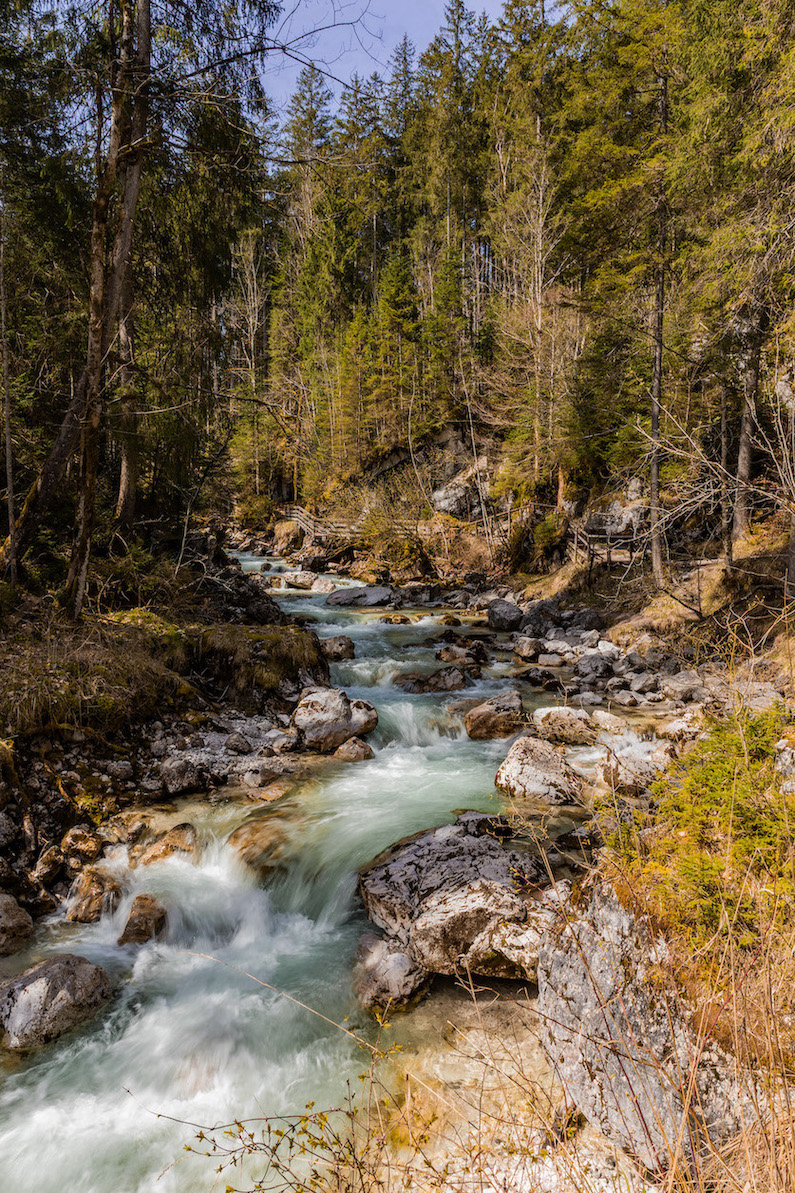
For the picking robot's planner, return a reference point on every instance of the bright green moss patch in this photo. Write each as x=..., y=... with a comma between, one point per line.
x=253, y=662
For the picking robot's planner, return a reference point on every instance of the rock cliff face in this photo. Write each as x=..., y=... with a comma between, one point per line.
x=619, y=1041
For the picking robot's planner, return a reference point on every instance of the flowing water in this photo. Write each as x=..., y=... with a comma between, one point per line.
x=191, y=1038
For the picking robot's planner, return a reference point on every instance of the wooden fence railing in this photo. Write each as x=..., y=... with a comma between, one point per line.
x=582, y=547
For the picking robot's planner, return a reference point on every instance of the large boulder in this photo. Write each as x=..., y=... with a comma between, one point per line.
x=287, y=536
x=364, y=597
x=446, y=679
x=183, y=776
x=16, y=926
x=452, y=899
x=504, y=616
x=535, y=770
x=567, y=726
x=620, y=1041
x=338, y=648
x=43, y=1002
x=499, y=716
x=145, y=921
x=326, y=718
x=93, y=892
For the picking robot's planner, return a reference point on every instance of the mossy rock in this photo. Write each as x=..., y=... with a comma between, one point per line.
x=252, y=663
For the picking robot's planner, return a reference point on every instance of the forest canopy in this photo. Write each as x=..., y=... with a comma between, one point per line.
x=566, y=234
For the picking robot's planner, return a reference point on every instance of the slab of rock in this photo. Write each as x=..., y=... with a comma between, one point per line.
x=593, y=665
x=631, y=773
x=462, y=656
x=504, y=616
x=324, y=584
x=94, y=891
x=364, y=597
x=183, y=776
x=499, y=716
x=354, y=750
x=620, y=1043
x=685, y=686
x=528, y=649
x=16, y=926
x=183, y=839
x=384, y=975
x=446, y=679
x=535, y=770
x=337, y=649
x=326, y=718
x=146, y=920
x=49, y=999
x=550, y=660
x=569, y=726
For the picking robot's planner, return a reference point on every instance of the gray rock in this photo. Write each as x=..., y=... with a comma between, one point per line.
x=182, y=776
x=463, y=497
x=550, y=660
x=535, y=770
x=338, y=648
x=363, y=597
x=446, y=679
x=568, y=726
x=8, y=830
x=49, y=999
x=384, y=975
x=499, y=716
x=454, y=857
x=503, y=616
x=685, y=686
x=528, y=649
x=326, y=718
x=16, y=926
x=236, y=743
x=593, y=665
x=620, y=1043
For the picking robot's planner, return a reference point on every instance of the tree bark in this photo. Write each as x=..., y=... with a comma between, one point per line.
x=7, y=401
x=657, y=565
x=128, y=431
x=107, y=284
x=741, y=521
x=725, y=494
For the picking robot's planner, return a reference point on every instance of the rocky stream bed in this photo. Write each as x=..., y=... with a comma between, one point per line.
x=393, y=835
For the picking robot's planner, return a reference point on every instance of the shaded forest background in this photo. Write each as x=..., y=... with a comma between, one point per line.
x=565, y=237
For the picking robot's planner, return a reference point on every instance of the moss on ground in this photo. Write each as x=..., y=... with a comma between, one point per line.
x=252, y=663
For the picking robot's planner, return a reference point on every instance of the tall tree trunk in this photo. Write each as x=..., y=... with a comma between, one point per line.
x=128, y=430
x=107, y=285
x=658, y=569
x=12, y=560
x=725, y=494
x=741, y=522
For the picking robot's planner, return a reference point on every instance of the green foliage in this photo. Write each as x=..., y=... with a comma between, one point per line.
x=718, y=856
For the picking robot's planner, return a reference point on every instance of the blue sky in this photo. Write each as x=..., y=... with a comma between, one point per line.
x=364, y=47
